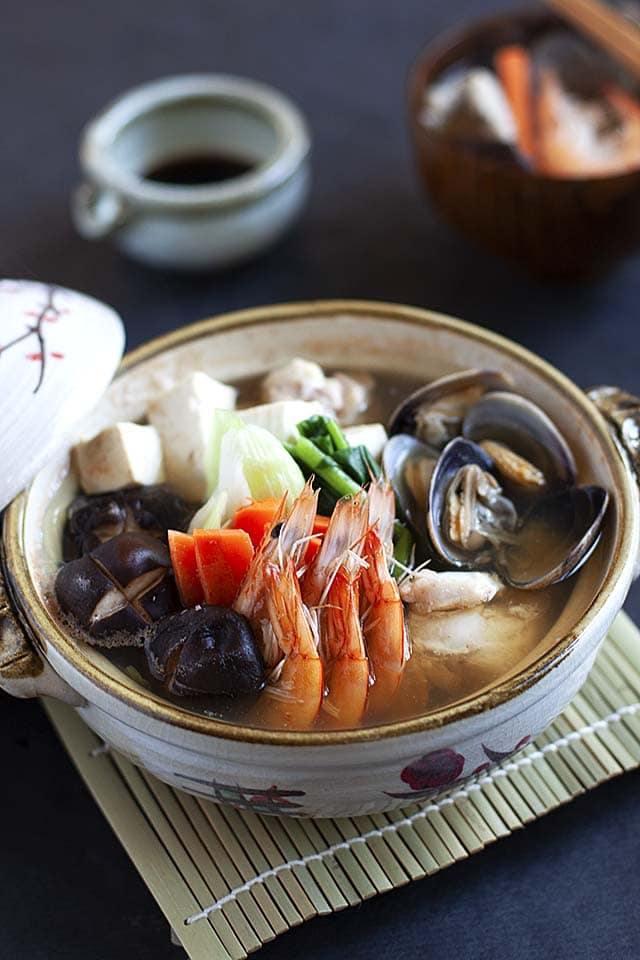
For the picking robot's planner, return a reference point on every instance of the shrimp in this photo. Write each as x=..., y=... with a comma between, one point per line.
x=383, y=620
x=331, y=586
x=343, y=647
x=284, y=539
x=345, y=531
x=382, y=512
x=293, y=694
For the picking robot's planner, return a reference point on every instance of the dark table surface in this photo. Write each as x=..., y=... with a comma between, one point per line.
x=567, y=886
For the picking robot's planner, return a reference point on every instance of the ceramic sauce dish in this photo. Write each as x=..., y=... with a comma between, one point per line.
x=190, y=223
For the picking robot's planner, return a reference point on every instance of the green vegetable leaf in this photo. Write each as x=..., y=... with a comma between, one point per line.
x=314, y=460
x=358, y=463
x=324, y=432
x=402, y=548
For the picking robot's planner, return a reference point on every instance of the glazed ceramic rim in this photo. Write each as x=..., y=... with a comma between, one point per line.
x=284, y=118
x=441, y=53
x=42, y=623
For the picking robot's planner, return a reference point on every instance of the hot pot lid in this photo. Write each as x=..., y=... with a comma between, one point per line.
x=59, y=351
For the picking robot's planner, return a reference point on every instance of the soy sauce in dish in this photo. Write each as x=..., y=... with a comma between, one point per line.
x=199, y=169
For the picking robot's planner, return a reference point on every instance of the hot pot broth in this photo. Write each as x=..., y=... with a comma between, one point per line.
x=454, y=652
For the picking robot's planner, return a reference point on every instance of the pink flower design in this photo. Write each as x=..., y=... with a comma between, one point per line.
x=49, y=313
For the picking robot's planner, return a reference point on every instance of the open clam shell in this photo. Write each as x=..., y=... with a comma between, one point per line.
x=435, y=412
x=526, y=430
x=555, y=538
x=483, y=517
x=408, y=465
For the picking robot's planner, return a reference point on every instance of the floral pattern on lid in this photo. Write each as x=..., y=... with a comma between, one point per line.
x=58, y=352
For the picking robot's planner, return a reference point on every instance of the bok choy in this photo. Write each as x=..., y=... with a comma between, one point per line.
x=254, y=465
x=245, y=463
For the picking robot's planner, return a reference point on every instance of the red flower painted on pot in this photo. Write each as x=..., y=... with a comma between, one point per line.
x=435, y=769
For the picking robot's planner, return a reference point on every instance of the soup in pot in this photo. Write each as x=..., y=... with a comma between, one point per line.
x=320, y=549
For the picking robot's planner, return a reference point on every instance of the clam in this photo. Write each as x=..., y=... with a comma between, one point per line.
x=469, y=518
x=408, y=465
x=473, y=526
x=435, y=412
x=529, y=452
x=555, y=538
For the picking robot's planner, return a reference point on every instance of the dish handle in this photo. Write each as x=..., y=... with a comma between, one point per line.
x=622, y=411
x=97, y=211
x=23, y=672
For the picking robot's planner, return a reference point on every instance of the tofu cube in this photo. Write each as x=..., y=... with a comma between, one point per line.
x=281, y=417
x=120, y=455
x=373, y=436
x=183, y=416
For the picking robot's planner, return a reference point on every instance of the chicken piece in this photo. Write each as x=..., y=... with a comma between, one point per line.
x=120, y=455
x=341, y=396
x=427, y=591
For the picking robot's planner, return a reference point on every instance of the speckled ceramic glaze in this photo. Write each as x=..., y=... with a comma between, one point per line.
x=201, y=227
x=324, y=773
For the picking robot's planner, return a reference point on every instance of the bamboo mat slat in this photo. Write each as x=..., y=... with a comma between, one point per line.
x=229, y=881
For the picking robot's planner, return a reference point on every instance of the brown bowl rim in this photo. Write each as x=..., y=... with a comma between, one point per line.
x=41, y=622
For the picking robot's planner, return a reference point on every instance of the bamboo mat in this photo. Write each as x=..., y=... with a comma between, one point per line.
x=229, y=881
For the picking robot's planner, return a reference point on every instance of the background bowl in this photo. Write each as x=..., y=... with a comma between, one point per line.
x=554, y=227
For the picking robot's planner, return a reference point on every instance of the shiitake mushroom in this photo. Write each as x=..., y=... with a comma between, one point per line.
x=209, y=650
x=119, y=588
x=92, y=520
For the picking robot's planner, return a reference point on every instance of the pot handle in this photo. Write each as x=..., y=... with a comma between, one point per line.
x=622, y=411
x=23, y=672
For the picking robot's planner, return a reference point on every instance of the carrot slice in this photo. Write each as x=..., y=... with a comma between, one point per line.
x=259, y=514
x=223, y=558
x=254, y=518
x=312, y=549
x=320, y=524
x=513, y=66
x=183, y=558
